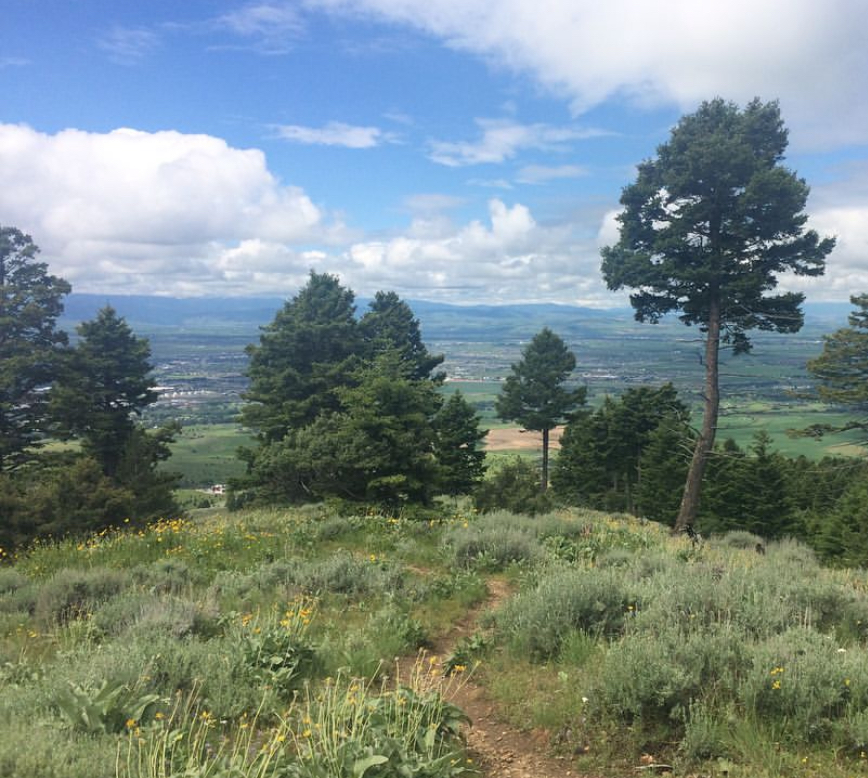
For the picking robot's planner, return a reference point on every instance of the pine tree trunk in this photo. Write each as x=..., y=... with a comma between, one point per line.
x=705, y=443
x=544, y=484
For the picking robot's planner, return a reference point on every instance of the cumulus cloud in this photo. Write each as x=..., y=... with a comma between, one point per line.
x=510, y=257
x=502, y=139
x=336, y=134
x=840, y=208
x=808, y=54
x=156, y=212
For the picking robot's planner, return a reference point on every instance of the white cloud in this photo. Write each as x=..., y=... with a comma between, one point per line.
x=490, y=183
x=128, y=45
x=511, y=257
x=271, y=27
x=157, y=212
x=811, y=55
x=840, y=209
x=541, y=174
x=502, y=139
x=425, y=203
x=336, y=134
x=14, y=62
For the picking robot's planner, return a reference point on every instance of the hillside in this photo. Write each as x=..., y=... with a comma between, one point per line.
x=251, y=641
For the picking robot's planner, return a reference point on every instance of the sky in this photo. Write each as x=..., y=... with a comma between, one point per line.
x=463, y=151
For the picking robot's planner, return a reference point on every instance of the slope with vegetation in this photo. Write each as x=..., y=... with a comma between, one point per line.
x=262, y=643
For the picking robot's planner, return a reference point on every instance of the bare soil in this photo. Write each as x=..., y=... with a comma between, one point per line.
x=499, y=749
x=514, y=439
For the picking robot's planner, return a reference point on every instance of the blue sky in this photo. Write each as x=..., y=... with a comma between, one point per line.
x=455, y=150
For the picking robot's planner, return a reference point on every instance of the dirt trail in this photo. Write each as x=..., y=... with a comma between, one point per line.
x=501, y=750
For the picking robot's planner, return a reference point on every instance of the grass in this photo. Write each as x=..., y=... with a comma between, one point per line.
x=259, y=636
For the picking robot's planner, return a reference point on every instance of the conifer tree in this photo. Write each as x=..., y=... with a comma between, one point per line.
x=105, y=385
x=390, y=324
x=534, y=394
x=31, y=299
x=706, y=229
x=308, y=352
x=458, y=442
x=841, y=370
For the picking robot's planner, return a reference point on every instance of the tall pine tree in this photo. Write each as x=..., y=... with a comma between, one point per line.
x=706, y=229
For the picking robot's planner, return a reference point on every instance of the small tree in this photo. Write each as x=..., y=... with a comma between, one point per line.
x=458, y=446
x=706, y=229
x=30, y=302
x=842, y=369
x=600, y=461
x=534, y=394
x=105, y=385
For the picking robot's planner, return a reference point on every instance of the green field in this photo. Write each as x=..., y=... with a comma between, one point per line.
x=207, y=454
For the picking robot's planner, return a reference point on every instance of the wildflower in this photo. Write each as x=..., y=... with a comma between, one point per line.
x=776, y=684
x=131, y=723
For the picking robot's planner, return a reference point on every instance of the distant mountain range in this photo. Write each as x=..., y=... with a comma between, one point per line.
x=440, y=321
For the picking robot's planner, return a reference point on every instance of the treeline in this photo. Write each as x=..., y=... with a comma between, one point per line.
x=351, y=408
x=633, y=453
x=84, y=399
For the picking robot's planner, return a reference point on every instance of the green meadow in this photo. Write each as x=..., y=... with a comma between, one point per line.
x=264, y=644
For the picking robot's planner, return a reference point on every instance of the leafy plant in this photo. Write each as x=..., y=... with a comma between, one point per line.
x=110, y=707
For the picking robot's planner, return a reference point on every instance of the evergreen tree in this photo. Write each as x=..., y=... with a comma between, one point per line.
x=514, y=487
x=105, y=384
x=841, y=538
x=30, y=302
x=307, y=353
x=768, y=510
x=378, y=447
x=580, y=475
x=842, y=369
x=534, y=394
x=458, y=442
x=663, y=467
x=706, y=229
x=391, y=325
x=599, y=463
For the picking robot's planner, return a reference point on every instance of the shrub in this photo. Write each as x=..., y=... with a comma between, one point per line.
x=740, y=539
x=491, y=548
x=71, y=594
x=802, y=679
x=537, y=622
x=515, y=486
x=654, y=679
x=52, y=752
x=151, y=614
x=165, y=576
